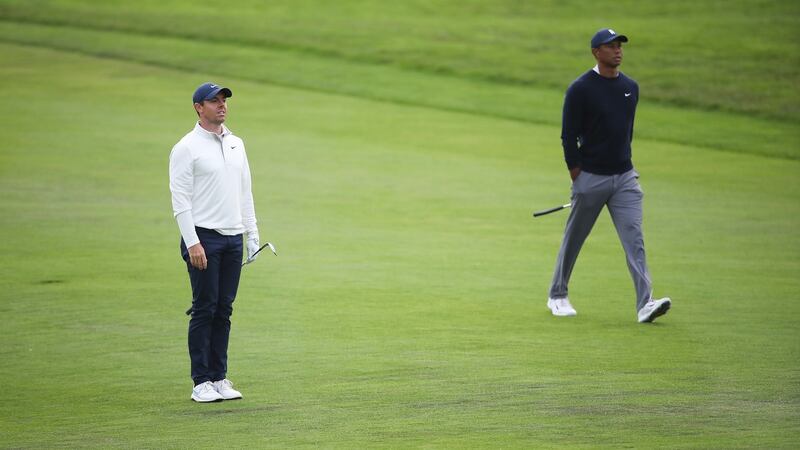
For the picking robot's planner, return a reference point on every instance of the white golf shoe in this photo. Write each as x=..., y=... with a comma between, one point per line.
x=561, y=307
x=226, y=390
x=653, y=309
x=205, y=393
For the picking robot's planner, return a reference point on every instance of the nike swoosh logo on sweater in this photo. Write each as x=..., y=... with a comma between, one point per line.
x=628, y=94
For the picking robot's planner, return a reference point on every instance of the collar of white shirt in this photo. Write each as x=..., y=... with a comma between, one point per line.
x=225, y=130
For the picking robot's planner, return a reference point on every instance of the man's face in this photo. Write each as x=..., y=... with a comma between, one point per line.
x=609, y=54
x=213, y=111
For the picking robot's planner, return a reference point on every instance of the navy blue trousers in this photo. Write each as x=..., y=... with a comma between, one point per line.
x=213, y=293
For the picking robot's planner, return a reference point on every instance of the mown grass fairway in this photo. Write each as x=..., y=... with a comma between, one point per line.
x=407, y=306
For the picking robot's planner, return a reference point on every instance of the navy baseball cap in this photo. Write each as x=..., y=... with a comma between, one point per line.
x=207, y=91
x=605, y=36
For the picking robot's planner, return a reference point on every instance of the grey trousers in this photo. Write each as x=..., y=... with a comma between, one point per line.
x=623, y=196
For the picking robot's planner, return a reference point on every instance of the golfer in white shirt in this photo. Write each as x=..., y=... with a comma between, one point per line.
x=209, y=178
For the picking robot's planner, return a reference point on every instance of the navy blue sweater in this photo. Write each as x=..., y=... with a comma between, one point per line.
x=597, y=125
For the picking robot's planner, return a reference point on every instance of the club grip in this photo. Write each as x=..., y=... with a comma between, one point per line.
x=548, y=211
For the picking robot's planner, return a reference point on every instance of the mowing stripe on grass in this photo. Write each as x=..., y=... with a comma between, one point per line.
x=717, y=130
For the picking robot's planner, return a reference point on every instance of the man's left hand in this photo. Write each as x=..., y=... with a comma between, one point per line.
x=252, y=248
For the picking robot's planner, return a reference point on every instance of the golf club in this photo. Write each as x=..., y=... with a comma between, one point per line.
x=551, y=210
x=268, y=244
x=249, y=260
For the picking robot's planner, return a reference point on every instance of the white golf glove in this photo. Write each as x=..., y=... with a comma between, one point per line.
x=252, y=247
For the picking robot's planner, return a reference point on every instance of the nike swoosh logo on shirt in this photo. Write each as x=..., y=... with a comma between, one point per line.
x=628, y=94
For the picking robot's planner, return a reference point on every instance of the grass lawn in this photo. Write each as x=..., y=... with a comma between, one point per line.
x=407, y=306
x=738, y=55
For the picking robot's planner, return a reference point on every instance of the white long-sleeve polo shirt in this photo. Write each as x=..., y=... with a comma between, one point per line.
x=209, y=178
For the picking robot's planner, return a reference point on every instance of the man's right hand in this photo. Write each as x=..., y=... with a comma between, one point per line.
x=197, y=256
x=574, y=172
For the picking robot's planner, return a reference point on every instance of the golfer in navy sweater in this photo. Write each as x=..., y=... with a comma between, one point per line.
x=597, y=130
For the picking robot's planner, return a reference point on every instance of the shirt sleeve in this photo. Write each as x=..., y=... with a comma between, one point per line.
x=636, y=100
x=248, y=208
x=181, y=186
x=571, y=126
x=186, y=225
